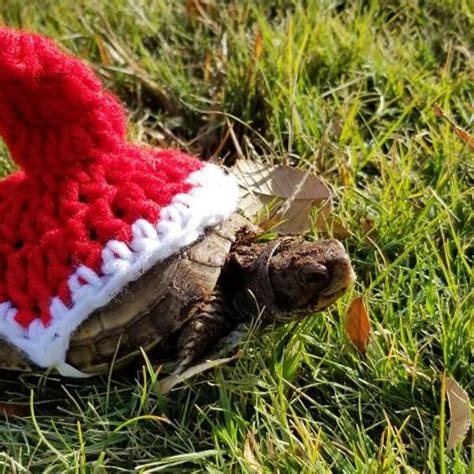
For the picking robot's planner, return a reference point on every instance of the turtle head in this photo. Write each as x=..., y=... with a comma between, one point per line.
x=306, y=277
x=288, y=278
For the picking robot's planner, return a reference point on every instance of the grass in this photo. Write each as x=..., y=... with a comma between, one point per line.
x=346, y=89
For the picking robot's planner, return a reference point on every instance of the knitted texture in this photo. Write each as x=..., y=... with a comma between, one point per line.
x=88, y=212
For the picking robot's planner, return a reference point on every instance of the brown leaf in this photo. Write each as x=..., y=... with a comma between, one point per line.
x=358, y=325
x=367, y=225
x=345, y=175
x=462, y=134
x=195, y=8
x=207, y=65
x=287, y=193
x=14, y=409
x=258, y=46
x=466, y=137
x=250, y=447
x=438, y=111
x=270, y=445
x=332, y=226
x=459, y=412
x=103, y=53
x=252, y=66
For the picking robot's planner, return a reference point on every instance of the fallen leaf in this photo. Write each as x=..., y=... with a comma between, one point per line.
x=462, y=134
x=252, y=66
x=250, y=446
x=14, y=409
x=270, y=445
x=367, y=225
x=459, y=412
x=103, y=53
x=345, y=175
x=195, y=8
x=438, y=111
x=358, y=325
x=288, y=195
x=332, y=226
x=167, y=383
x=207, y=65
x=258, y=46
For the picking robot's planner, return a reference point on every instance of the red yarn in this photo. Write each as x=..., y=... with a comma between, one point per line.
x=54, y=110
x=82, y=184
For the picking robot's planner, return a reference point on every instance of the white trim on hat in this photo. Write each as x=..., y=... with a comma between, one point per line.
x=211, y=200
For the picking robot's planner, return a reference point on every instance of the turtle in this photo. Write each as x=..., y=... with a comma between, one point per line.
x=108, y=246
x=185, y=306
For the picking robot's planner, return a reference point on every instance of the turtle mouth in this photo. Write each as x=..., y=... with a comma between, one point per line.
x=320, y=304
x=327, y=299
x=341, y=281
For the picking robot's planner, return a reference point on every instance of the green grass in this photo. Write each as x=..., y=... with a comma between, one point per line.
x=346, y=89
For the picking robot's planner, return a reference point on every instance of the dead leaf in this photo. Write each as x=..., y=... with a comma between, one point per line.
x=258, y=46
x=367, y=225
x=270, y=445
x=252, y=66
x=207, y=65
x=195, y=8
x=287, y=193
x=15, y=409
x=459, y=412
x=438, y=111
x=345, y=175
x=332, y=226
x=358, y=325
x=250, y=447
x=167, y=383
x=103, y=53
x=462, y=134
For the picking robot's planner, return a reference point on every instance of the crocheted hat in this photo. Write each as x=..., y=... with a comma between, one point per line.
x=88, y=212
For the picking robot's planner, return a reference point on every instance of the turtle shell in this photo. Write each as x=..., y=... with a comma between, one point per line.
x=149, y=310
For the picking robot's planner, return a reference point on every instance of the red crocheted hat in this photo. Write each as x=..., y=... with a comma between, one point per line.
x=89, y=211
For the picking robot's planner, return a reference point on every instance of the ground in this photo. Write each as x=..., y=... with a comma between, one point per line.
x=346, y=89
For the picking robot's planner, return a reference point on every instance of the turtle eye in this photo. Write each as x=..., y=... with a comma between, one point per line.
x=314, y=276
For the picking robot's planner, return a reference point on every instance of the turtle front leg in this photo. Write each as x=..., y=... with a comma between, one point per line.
x=207, y=326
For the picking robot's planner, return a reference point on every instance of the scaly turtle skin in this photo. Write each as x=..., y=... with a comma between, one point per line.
x=181, y=307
